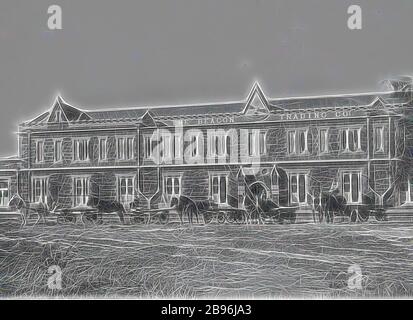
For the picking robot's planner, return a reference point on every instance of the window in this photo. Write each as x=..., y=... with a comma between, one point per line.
x=379, y=139
x=298, y=188
x=165, y=151
x=262, y=145
x=81, y=150
x=256, y=143
x=406, y=191
x=39, y=190
x=57, y=150
x=4, y=193
x=352, y=187
x=323, y=142
x=126, y=190
x=350, y=139
x=39, y=150
x=291, y=142
x=172, y=187
x=147, y=146
x=298, y=141
x=195, y=146
x=81, y=191
x=219, y=188
x=176, y=147
x=58, y=115
x=125, y=146
x=102, y=149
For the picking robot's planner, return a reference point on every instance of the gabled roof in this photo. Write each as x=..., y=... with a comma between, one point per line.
x=67, y=112
x=256, y=104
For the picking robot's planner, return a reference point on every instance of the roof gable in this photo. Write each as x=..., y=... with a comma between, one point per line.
x=63, y=112
x=257, y=103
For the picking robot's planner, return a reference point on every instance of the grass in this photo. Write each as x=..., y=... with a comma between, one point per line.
x=215, y=261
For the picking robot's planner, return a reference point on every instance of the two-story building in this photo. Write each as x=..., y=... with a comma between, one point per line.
x=295, y=147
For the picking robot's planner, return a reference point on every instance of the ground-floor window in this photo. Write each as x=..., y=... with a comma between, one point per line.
x=298, y=188
x=81, y=190
x=406, y=192
x=4, y=193
x=126, y=189
x=172, y=187
x=352, y=187
x=219, y=188
x=39, y=190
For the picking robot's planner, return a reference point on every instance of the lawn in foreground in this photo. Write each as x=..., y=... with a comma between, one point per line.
x=253, y=261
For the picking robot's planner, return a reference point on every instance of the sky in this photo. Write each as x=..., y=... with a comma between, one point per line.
x=151, y=52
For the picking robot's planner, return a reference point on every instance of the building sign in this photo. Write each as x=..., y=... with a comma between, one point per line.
x=318, y=114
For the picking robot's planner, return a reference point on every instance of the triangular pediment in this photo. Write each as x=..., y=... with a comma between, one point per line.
x=147, y=119
x=257, y=103
x=63, y=112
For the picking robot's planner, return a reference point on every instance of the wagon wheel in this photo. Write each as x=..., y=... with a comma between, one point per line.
x=252, y=201
x=139, y=219
x=208, y=216
x=66, y=217
x=380, y=214
x=231, y=217
x=91, y=218
x=353, y=214
x=164, y=217
x=221, y=217
x=363, y=214
x=239, y=217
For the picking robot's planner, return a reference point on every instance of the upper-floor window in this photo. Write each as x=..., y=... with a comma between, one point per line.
x=81, y=149
x=195, y=150
x=177, y=145
x=102, y=149
x=147, y=146
x=323, y=142
x=256, y=143
x=351, y=139
x=297, y=141
x=57, y=150
x=379, y=139
x=165, y=147
x=125, y=146
x=39, y=151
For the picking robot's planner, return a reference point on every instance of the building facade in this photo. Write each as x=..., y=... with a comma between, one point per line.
x=295, y=148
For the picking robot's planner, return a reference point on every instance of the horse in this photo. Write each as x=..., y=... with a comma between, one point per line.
x=332, y=203
x=107, y=206
x=183, y=204
x=25, y=208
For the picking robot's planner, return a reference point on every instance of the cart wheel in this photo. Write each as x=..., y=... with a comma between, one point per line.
x=363, y=214
x=208, y=217
x=139, y=219
x=164, y=217
x=239, y=217
x=353, y=215
x=292, y=217
x=221, y=218
x=380, y=215
x=231, y=217
x=91, y=219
